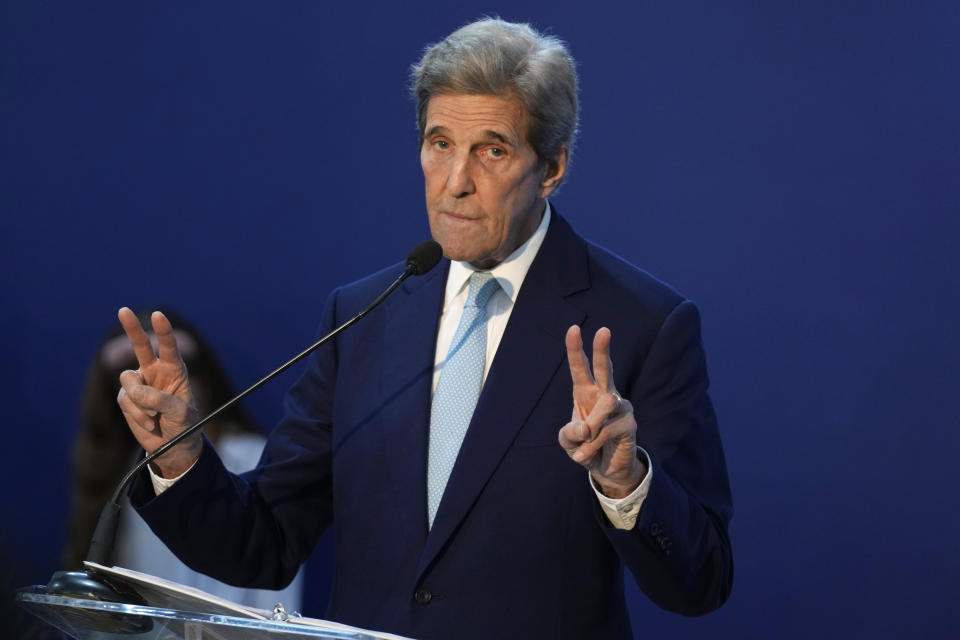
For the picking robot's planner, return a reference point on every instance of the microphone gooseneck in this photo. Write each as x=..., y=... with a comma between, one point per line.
x=420, y=260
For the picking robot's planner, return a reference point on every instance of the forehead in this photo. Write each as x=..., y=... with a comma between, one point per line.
x=476, y=115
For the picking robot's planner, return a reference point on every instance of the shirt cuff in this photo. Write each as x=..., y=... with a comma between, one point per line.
x=622, y=512
x=161, y=484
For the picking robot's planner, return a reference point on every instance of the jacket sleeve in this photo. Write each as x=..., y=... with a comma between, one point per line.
x=679, y=549
x=256, y=528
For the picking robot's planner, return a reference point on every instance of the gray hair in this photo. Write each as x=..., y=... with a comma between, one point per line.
x=494, y=57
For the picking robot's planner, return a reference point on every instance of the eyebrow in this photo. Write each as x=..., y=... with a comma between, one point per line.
x=489, y=133
x=497, y=136
x=435, y=129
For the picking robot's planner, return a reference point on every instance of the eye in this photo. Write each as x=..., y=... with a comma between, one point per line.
x=496, y=152
x=443, y=145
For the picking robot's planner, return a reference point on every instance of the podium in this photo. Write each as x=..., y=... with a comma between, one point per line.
x=97, y=620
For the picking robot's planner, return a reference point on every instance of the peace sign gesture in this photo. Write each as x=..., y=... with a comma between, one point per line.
x=602, y=433
x=156, y=399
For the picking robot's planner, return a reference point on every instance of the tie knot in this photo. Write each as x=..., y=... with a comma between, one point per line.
x=482, y=286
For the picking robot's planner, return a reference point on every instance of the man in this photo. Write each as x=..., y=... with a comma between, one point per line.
x=427, y=434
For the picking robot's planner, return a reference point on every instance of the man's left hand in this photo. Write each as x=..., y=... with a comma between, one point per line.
x=602, y=433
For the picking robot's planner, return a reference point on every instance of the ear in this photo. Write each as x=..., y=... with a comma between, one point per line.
x=553, y=172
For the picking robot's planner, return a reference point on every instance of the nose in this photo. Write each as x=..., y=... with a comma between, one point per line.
x=460, y=181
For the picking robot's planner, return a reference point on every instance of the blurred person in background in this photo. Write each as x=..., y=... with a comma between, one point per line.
x=105, y=450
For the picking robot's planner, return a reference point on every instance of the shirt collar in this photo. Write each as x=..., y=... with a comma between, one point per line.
x=509, y=273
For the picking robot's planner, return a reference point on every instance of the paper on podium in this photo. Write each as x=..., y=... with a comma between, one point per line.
x=166, y=594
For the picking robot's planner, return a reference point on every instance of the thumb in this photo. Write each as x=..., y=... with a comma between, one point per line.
x=573, y=434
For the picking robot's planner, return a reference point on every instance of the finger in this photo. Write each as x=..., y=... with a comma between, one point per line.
x=130, y=380
x=623, y=407
x=576, y=440
x=579, y=365
x=572, y=441
x=166, y=341
x=604, y=410
x=587, y=453
x=572, y=435
x=602, y=364
x=138, y=337
x=131, y=385
x=615, y=428
x=150, y=400
x=137, y=418
x=571, y=438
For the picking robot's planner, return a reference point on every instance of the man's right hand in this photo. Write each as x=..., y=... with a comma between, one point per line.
x=156, y=399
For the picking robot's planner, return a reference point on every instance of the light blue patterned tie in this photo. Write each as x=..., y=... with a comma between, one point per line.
x=458, y=389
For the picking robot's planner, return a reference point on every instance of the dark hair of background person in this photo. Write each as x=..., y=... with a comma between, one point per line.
x=105, y=448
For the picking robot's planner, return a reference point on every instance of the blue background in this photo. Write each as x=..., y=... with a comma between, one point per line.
x=791, y=166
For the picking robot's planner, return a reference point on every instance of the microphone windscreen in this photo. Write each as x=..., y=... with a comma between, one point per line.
x=424, y=256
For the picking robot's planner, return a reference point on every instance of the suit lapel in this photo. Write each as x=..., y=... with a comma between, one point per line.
x=411, y=336
x=528, y=357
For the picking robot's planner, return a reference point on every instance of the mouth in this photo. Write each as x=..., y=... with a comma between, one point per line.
x=458, y=216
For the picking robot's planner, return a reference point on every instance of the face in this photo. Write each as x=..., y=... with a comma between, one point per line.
x=485, y=186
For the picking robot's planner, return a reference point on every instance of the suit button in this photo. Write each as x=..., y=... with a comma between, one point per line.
x=423, y=596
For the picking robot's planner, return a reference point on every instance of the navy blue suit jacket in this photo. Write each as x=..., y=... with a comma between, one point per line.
x=520, y=547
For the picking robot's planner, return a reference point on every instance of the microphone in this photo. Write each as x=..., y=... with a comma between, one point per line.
x=424, y=257
x=421, y=259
